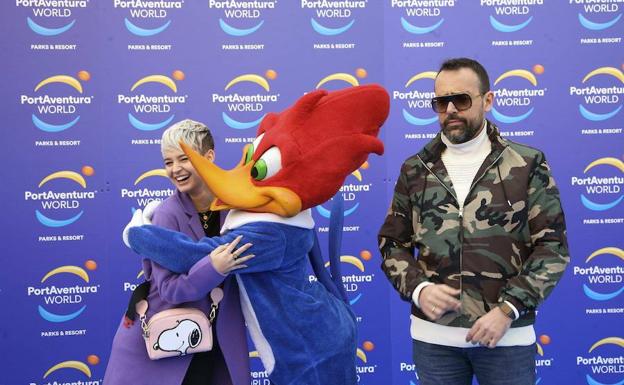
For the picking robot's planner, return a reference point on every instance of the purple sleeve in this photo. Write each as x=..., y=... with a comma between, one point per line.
x=179, y=288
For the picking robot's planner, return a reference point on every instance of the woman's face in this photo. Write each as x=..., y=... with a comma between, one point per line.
x=182, y=173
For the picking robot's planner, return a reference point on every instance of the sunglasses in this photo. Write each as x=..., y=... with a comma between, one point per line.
x=461, y=102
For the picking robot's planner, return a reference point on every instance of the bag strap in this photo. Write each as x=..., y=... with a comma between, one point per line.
x=216, y=295
x=141, y=309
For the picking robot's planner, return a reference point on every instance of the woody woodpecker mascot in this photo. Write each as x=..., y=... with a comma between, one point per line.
x=305, y=332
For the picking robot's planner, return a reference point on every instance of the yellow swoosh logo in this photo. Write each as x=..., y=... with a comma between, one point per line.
x=607, y=250
x=150, y=173
x=67, y=269
x=616, y=73
x=339, y=76
x=71, y=175
x=518, y=73
x=70, y=365
x=259, y=80
x=350, y=259
x=162, y=79
x=361, y=355
x=615, y=162
x=423, y=75
x=70, y=81
x=540, y=350
x=608, y=341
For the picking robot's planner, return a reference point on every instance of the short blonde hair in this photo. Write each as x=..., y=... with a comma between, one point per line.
x=193, y=133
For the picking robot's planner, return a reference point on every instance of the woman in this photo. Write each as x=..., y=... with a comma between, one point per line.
x=187, y=211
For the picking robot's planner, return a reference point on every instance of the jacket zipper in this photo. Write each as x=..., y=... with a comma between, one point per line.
x=487, y=169
x=461, y=228
x=461, y=215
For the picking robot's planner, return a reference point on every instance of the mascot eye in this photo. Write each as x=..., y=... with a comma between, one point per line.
x=268, y=165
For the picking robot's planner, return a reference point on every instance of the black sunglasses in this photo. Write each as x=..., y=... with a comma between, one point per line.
x=461, y=101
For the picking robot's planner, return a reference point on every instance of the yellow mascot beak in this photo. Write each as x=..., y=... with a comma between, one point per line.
x=233, y=189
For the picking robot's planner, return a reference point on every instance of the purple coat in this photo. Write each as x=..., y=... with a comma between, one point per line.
x=129, y=363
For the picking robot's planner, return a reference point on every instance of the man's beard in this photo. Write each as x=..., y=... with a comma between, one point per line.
x=458, y=134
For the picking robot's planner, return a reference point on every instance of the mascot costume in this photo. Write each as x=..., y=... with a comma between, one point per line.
x=304, y=332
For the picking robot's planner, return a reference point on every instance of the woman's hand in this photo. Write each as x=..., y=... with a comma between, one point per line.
x=225, y=259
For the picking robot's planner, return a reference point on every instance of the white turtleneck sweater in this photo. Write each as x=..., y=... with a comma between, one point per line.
x=462, y=161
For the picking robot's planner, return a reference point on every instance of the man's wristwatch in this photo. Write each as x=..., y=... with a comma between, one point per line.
x=504, y=306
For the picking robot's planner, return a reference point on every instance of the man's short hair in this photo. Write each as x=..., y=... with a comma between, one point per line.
x=464, y=62
x=192, y=133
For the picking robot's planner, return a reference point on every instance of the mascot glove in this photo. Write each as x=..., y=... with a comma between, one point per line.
x=148, y=212
x=140, y=218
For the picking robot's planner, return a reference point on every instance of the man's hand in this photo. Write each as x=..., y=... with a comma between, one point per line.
x=489, y=329
x=436, y=300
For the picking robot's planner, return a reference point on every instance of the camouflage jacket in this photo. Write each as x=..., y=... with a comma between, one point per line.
x=508, y=244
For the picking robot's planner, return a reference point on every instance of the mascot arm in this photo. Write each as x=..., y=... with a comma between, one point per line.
x=269, y=246
x=174, y=251
x=178, y=252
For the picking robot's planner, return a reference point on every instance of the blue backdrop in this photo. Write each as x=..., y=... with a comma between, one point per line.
x=88, y=87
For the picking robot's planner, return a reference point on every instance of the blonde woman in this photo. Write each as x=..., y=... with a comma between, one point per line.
x=188, y=211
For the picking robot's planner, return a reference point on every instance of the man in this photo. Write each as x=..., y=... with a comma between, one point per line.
x=485, y=215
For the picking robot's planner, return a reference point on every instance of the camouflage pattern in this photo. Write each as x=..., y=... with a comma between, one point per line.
x=509, y=244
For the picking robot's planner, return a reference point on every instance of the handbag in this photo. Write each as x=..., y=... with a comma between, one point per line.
x=178, y=331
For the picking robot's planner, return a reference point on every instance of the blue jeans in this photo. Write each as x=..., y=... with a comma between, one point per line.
x=445, y=365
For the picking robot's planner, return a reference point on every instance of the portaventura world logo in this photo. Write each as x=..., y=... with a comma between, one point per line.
x=351, y=193
x=65, y=201
x=421, y=9
x=158, y=105
x=598, y=186
x=65, y=106
x=608, y=366
x=241, y=18
x=543, y=340
x=596, y=96
x=605, y=277
x=592, y=11
x=61, y=296
x=352, y=282
x=145, y=195
x=49, y=12
x=510, y=15
x=542, y=360
x=418, y=99
x=247, y=101
x=365, y=366
x=337, y=13
x=78, y=366
x=146, y=10
x=517, y=97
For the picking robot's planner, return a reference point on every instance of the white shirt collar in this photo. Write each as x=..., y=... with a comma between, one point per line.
x=237, y=218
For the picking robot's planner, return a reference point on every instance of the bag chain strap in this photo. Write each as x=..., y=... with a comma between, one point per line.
x=144, y=326
x=216, y=295
x=213, y=312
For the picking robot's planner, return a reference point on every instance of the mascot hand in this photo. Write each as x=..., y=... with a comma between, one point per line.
x=137, y=220
x=148, y=212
